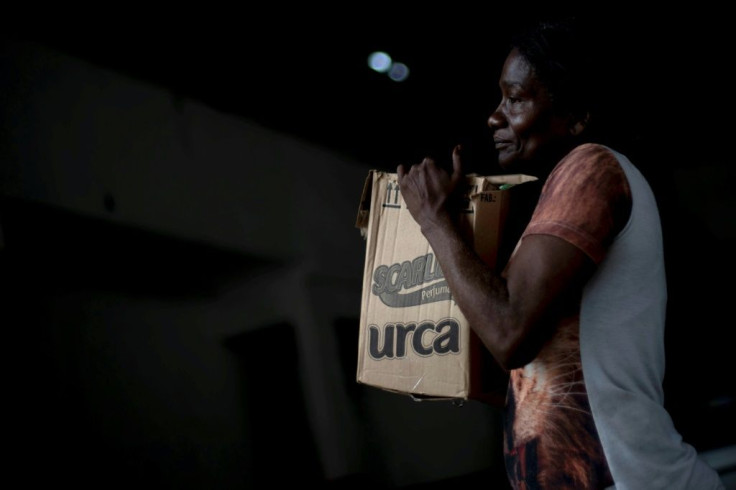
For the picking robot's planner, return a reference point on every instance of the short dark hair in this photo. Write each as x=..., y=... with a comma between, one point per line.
x=560, y=53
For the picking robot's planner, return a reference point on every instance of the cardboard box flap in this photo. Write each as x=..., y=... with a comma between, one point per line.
x=509, y=179
x=364, y=208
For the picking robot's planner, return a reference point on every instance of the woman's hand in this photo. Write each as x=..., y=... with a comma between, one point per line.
x=429, y=192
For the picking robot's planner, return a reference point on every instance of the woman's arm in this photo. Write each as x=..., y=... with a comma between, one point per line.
x=510, y=312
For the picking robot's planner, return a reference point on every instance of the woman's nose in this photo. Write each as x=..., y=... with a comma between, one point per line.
x=496, y=119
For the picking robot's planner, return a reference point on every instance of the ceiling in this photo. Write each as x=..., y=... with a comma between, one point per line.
x=311, y=78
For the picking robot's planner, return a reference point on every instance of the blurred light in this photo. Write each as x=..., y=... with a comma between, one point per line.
x=379, y=61
x=398, y=72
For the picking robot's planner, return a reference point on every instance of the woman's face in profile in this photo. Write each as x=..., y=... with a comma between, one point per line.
x=524, y=125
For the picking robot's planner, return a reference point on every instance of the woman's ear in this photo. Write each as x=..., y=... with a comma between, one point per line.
x=580, y=124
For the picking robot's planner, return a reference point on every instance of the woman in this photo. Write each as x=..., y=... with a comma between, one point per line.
x=577, y=315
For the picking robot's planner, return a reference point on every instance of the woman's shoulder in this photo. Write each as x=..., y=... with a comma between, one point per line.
x=588, y=158
x=591, y=151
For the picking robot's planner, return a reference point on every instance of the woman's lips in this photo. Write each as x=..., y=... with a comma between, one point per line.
x=501, y=143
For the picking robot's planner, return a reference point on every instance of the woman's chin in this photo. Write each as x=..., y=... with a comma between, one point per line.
x=506, y=164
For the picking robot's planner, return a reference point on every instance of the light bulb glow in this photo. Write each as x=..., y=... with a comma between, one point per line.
x=398, y=72
x=379, y=61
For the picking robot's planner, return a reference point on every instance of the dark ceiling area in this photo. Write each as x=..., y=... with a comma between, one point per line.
x=311, y=78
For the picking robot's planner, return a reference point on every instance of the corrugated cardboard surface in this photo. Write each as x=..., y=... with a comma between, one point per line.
x=413, y=337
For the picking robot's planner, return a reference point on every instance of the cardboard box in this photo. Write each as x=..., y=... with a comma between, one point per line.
x=413, y=337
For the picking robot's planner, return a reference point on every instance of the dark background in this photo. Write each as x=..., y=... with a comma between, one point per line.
x=671, y=88
x=668, y=75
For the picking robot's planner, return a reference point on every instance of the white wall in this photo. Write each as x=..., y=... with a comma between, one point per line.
x=74, y=133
